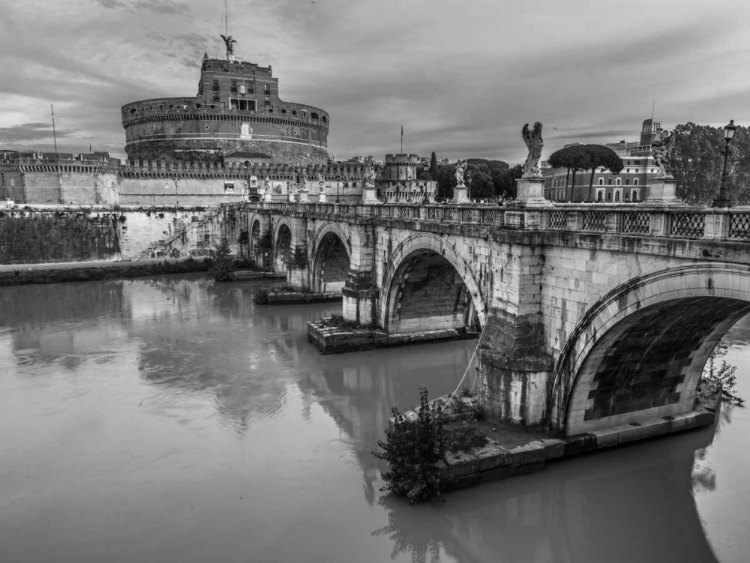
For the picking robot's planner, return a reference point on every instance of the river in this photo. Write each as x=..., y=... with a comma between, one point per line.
x=170, y=419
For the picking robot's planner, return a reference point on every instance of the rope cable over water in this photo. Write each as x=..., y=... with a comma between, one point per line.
x=471, y=361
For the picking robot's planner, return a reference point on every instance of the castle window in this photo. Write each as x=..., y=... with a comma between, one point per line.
x=266, y=89
x=294, y=112
x=241, y=105
x=283, y=110
x=234, y=86
x=601, y=181
x=215, y=86
x=132, y=110
x=627, y=181
x=610, y=182
x=267, y=101
x=635, y=182
x=314, y=116
x=324, y=119
x=618, y=181
x=228, y=186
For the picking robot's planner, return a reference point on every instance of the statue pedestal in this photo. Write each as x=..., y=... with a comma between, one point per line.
x=322, y=197
x=370, y=195
x=268, y=196
x=530, y=193
x=663, y=191
x=303, y=198
x=291, y=198
x=460, y=195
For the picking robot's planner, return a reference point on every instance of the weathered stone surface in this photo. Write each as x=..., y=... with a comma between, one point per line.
x=549, y=293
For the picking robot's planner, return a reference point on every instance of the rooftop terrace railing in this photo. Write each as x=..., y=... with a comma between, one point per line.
x=628, y=219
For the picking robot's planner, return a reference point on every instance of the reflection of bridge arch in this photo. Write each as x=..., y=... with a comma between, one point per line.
x=282, y=244
x=429, y=286
x=331, y=255
x=640, y=350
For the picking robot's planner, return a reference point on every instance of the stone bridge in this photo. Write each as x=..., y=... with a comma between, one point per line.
x=592, y=316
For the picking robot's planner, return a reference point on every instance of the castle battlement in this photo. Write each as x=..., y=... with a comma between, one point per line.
x=237, y=108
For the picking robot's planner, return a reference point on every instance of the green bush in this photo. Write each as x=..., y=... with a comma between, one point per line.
x=412, y=449
x=719, y=380
x=222, y=267
x=261, y=298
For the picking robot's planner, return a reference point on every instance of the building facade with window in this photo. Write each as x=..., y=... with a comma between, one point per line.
x=237, y=110
x=629, y=186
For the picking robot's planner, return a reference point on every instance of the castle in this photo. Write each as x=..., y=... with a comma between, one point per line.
x=237, y=140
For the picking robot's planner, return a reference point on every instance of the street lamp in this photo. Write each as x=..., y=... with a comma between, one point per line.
x=338, y=185
x=176, y=191
x=723, y=200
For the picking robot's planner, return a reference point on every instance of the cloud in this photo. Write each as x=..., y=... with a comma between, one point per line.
x=461, y=77
x=28, y=132
x=166, y=7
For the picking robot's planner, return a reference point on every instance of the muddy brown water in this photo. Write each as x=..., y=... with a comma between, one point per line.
x=170, y=419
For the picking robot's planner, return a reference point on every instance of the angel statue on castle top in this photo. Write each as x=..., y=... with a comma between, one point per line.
x=229, y=42
x=534, y=142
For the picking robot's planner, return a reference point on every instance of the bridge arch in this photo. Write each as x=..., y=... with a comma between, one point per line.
x=331, y=255
x=639, y=351
x=429, y=286
x=282, y=245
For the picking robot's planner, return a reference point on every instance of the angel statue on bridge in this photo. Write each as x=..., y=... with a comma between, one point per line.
x=661, y=149
x=534, y=142
x=459, y=173
x=371, y=172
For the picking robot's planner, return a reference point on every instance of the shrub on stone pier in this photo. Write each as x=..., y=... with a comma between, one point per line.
x=412, y=449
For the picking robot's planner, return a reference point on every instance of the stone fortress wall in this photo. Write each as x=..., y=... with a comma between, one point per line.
x=237, y=109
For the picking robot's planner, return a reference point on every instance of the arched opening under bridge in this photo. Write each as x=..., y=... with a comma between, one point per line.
x=331, y=264
x=428, y=293
x=639, y=353
x=282, y=248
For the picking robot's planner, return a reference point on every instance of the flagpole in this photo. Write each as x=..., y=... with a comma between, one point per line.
x=54, y=133
x=402, y=139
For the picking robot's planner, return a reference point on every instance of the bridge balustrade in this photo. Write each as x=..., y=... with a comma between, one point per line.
x=682, y=221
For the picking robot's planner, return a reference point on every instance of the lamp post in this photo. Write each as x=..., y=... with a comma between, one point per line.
x=723, y=200
x=338, y=185
x=176, y=191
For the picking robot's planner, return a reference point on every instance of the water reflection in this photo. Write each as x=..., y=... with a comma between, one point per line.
x=187, y=379
x=619, y=506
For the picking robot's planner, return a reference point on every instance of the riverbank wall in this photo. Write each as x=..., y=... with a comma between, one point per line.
x=33, y=235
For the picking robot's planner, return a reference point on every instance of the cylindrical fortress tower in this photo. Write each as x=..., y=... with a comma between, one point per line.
x=237, y=110
x=400, y=167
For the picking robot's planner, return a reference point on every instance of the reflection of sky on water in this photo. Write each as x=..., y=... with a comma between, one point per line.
x=175, y=409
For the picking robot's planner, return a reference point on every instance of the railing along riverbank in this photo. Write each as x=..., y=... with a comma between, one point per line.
x=635, y=219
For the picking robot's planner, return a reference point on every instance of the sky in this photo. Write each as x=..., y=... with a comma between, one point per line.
x=460, y=76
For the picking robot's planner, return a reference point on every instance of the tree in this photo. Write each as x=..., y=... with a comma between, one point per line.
x=481, y=186
x=697, y=162
x=433, y=167
x=505, y=180
x=601, y=157
x=719, y=381
x=222, y=267
x=412, y=450
x=574, y=157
